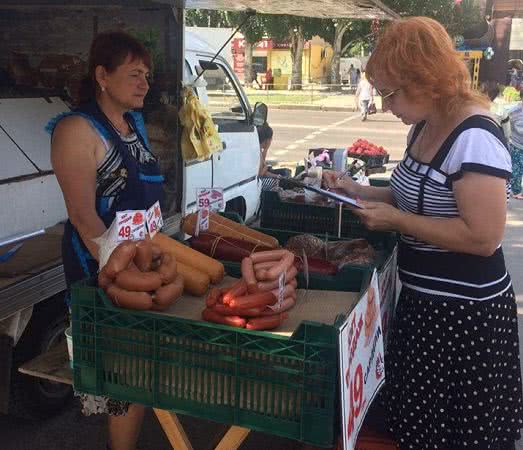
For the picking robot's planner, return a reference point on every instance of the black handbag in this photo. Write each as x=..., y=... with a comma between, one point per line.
x=372, y=109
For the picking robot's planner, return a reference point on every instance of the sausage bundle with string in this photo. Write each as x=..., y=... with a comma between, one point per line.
x=252, y=301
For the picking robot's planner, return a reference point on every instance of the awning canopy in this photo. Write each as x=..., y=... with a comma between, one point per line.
x=351, y=9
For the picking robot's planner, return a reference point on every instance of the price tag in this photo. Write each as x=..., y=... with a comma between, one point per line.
x=211, y=198
x=281, y=294
x=154, y=219
x=202, y=222
x=131, y=225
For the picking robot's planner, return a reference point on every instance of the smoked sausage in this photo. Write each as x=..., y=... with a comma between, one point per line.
x=266, y=323
x=129, y=299
x=166, y=295
x=167, y=270
x=134, y=280
x=120, y=258
x=212, y=316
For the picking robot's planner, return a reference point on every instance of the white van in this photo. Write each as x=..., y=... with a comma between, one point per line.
x=235, y=168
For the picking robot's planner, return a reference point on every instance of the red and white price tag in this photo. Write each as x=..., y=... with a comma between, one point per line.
x=281, y=293
x=131, y=225
x=281, y=289
x=154, y=219
x=202, y=222
x=210, y=198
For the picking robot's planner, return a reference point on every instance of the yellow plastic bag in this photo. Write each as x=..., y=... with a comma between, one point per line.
x=200, y=139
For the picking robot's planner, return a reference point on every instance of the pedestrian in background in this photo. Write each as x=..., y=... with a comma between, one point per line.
x=364, y=96
x=516, y=150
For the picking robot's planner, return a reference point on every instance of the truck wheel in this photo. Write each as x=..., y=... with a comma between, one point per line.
x=236, y=205
x=30, y=397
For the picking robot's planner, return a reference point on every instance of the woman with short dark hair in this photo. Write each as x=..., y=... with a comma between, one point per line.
x=102, y=160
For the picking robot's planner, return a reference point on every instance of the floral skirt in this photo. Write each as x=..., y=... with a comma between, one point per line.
x=95, y=404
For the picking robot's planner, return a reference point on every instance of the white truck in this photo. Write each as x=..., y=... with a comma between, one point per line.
x=43, y=55
x=43, y=51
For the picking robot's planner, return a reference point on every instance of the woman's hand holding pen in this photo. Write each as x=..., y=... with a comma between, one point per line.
x=334, y=181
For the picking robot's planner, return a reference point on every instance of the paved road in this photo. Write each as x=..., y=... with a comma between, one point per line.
x=71, y=431
x=297, y=131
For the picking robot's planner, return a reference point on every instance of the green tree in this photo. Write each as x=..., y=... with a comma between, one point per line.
x=295, y=30
x=206, y=18
x=253, y=31
x=455, y=17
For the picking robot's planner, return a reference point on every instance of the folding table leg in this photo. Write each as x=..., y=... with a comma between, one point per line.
x=233, y=438
x=173, y=430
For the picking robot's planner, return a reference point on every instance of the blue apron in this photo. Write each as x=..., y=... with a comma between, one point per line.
x=143, y=188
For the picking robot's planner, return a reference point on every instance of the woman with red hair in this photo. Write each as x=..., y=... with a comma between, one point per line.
x=452, y=366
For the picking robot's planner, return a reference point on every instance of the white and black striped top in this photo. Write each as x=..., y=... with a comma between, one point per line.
x=477, y=145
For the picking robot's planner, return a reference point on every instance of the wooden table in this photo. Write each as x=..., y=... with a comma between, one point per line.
x=54, y=366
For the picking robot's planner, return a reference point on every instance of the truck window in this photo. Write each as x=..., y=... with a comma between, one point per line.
x=44, y=51
x=225, y=102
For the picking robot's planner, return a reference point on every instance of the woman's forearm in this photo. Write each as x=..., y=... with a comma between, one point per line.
x=370, y=193
x=450, y=234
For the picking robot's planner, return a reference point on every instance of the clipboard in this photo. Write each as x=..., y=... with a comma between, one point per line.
x=332, y=195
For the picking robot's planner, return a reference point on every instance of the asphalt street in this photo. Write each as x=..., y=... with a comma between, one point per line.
x=295, y=132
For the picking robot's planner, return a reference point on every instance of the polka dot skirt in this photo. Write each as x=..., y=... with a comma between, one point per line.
x=453, y=373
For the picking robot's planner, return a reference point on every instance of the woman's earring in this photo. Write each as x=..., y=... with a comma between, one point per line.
x=103, y=89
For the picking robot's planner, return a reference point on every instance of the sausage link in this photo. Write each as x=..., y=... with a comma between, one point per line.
x=269, y=255
x=263, y=265
x=166, y=295
x=270, y=285
x=253, y=300
x=212, y=316
x=283, y=266
x=120, y=258
x=238, y=289
x=247, y=268
x=157, y=257
x=134, y=280
x=129, y=299
x=168, y=269
x=212, y=297
x=267, y=322
x=103, y=279
x=144, y=254
x=225, y=310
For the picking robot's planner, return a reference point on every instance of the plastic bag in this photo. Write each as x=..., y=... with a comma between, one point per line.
x=200, y=139
x=106, y=242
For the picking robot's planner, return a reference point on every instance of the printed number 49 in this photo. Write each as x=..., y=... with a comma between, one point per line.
x=125, y=232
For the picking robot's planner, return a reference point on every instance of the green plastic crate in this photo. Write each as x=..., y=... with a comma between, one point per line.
x=307, y=218
x=285, y=386
x=348, y=279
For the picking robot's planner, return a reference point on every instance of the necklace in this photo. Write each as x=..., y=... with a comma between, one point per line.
x=119, y=129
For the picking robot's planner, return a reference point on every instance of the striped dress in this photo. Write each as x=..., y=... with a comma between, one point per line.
x=453, y=370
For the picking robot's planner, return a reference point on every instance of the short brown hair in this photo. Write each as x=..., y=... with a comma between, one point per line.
x=110, y=49
x=418, y=55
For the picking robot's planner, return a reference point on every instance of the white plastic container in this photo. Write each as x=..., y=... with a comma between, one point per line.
x=69, y=337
